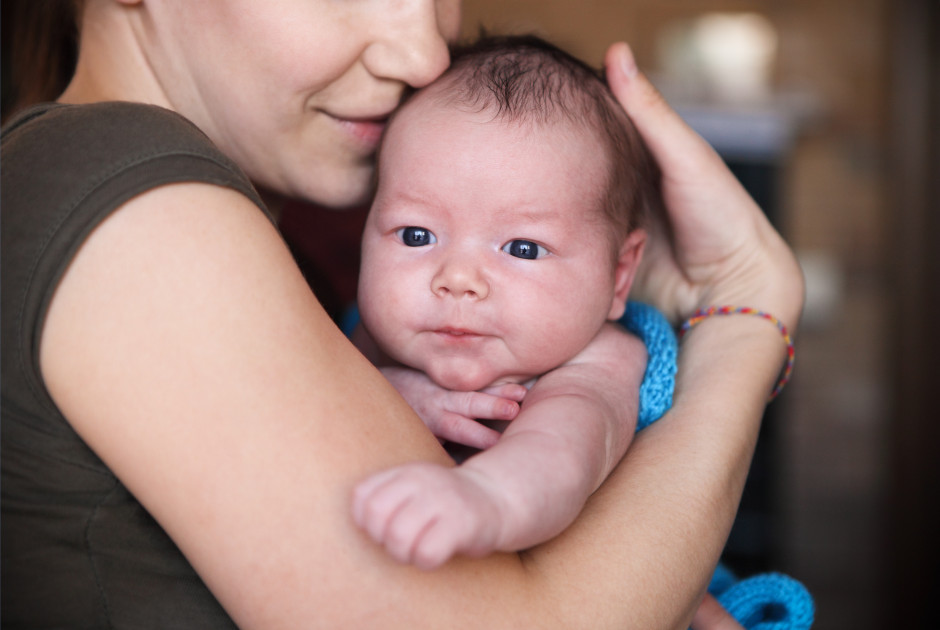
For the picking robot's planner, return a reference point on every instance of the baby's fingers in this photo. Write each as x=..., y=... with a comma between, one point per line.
x=483, y=405
x=397, y=508
x=375, y=501
x=511, y=391
x=459, y=429
x=390, y=508
x=435, y=545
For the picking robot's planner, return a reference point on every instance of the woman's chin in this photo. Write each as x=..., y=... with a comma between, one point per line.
x=334, y=188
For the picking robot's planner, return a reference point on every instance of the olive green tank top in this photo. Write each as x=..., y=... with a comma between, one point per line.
x=78, y=551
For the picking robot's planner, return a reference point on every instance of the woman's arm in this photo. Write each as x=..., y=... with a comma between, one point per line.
x=185, y=348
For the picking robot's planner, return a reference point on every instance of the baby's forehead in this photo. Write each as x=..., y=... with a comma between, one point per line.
x=443, y=103
x=576, y=145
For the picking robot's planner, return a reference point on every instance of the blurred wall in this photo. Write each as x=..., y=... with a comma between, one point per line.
x=852, y=477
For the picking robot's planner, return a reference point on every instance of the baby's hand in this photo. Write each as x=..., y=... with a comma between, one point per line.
x=423, y=513
x=452, y=415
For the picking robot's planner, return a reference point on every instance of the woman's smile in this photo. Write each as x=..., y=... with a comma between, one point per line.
x=365, y=131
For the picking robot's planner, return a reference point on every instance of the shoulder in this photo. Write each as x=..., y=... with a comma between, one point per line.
x=67, y=169
x=62, y=146
x=125, y=123
x=70, y=166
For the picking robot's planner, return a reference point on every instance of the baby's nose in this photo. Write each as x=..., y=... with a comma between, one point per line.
x=460, y=277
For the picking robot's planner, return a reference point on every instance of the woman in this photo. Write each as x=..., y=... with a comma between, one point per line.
x=161, y=347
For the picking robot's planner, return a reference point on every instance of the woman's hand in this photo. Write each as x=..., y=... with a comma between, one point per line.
x=714, y=246
x=452, y=415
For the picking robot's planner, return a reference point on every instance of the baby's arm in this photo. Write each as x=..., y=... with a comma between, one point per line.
x=574, y=426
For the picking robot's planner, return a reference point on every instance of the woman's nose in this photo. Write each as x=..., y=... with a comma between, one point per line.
x=460, y=277
x=412, y=44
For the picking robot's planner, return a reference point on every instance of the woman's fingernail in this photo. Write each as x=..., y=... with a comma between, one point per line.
x=628, y=63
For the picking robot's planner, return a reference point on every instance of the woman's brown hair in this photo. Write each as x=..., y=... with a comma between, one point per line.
x=40, y=48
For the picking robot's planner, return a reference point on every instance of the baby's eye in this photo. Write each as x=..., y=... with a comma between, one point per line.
x=524, y=249
x=414, y=236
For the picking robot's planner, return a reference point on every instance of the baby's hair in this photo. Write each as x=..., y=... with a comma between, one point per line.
x=525, y=79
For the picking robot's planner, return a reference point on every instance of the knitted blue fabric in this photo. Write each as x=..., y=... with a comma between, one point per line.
x=768, y=601
x=659, y=380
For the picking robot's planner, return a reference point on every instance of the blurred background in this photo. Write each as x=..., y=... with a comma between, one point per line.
x=829, y=113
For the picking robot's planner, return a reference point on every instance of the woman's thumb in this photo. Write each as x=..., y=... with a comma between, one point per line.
x=674, y=145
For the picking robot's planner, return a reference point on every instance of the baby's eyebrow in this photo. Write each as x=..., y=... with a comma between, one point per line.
x=532, y=214
x=414, y=199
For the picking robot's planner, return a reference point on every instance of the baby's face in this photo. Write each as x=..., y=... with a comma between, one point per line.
x=485, y=257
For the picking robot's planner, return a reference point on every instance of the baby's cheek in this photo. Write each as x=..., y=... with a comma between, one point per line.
x=389, y=323
x=559, y=341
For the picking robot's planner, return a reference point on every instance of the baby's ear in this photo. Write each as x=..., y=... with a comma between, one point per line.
x=628, y=261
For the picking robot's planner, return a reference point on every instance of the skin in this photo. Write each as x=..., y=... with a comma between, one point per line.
x=455, y=300
x=463, y=308
x=302, y=108
x=250, y=469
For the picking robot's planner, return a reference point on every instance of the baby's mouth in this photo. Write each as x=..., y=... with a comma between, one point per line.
x=457, y=334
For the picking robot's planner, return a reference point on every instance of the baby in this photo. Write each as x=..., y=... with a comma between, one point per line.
x=502, y=243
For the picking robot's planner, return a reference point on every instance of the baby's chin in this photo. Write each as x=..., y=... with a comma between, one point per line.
x=470, y=379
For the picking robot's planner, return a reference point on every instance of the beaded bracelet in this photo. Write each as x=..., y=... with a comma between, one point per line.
x=745, y=310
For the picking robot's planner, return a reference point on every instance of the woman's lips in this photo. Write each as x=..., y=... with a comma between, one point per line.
x=367, y=132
